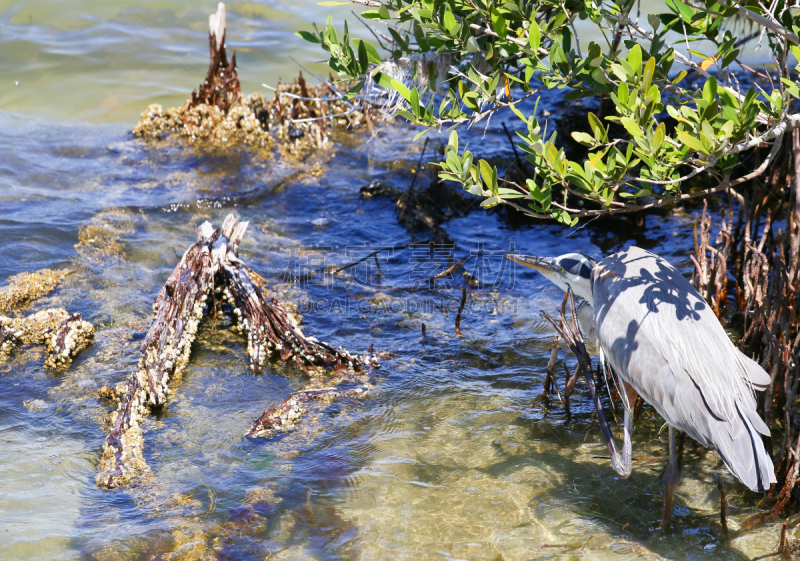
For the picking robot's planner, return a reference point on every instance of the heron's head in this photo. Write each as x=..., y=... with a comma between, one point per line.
x=571, y=269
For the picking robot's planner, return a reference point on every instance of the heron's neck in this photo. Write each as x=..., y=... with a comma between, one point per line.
x=583, y=289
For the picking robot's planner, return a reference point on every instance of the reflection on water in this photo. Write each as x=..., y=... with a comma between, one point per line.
x=453, y=456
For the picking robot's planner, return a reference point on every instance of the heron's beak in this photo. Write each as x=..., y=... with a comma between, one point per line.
x=541, y=264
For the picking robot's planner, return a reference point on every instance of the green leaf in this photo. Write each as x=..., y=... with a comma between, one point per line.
x=654, y=22
x=649, y=71
x=634, y=58
x=679, y=7
x=489, y=175
x=517, y=112
x=401, y=89
x=791, y=87
x=631, y=126
x=372, y=52
x=710, y=90
x=622, y=93
x=383, y=80
x=308, y=36
x=597, y=128
x=363, y=59
x=583, y=138
x=384, y=12
x=422, y=133
x=534, y=36
x=469, y=99
x=658, y=136
x=692, y=142
x=499, y=23
x=449, y=20
x=452, y=142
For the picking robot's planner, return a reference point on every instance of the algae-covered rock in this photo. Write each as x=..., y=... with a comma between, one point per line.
x=26, y=287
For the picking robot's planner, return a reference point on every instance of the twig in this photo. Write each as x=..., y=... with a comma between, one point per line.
x=419, y=163
x=374, y=253
x=451, y=269
x=761, y=20
x=460, y=309
x=514, y=147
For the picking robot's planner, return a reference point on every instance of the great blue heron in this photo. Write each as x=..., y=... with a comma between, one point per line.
x=665, y=343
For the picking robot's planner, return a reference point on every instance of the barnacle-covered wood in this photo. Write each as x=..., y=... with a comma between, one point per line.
x=269, y=327
x=68, y=339
x=285, y=416
x=211, y=263
x=163, y=354
x=8, y=340
x=47, y=327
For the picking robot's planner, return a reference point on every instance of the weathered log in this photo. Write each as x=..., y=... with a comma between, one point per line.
x=211, y=264
x=164, y=352
x=285, y=416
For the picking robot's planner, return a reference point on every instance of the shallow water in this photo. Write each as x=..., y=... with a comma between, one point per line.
x=452, y=456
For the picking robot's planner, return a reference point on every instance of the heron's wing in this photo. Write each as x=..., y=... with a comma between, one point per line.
x=665, y=341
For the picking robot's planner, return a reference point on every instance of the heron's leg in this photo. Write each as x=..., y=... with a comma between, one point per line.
x=671, y=479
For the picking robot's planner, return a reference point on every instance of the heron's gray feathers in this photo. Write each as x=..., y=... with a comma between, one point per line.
x=664, y=340
x=758, y=376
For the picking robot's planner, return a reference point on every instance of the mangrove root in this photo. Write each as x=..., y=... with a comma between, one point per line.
x=209, y=267
x=285, y=416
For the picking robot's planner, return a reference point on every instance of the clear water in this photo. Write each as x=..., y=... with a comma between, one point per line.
x=453, y=456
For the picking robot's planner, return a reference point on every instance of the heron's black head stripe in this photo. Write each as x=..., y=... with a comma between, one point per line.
x=580, y=267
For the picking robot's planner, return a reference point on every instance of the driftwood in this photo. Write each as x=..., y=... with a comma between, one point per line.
x=210, y=267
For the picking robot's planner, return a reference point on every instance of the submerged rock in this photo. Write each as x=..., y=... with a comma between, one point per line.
x=26, y=287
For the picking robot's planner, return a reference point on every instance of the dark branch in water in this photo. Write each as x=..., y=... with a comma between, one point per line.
x=212, y=265
x=286, y=415
x=461, y=309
